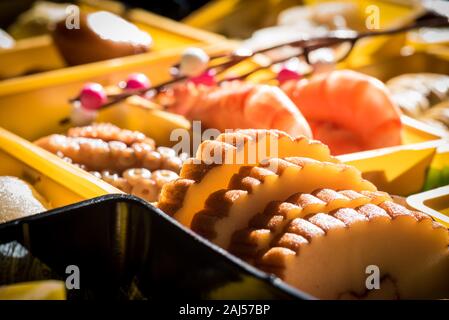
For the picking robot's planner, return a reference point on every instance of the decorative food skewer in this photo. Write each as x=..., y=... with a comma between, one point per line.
x=207, y=94
x=198, y=67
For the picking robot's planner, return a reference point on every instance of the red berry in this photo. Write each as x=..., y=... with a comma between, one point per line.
x=93, y=96
x=207, y=78
x=137, y=81
x=286, y=74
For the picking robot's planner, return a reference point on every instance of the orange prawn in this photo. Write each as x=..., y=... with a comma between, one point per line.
x=347, y=110
x=237, y=105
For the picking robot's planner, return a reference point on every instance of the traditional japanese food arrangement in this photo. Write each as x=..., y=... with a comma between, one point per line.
x=283, y=167
x=126, y=159
x=344, y=109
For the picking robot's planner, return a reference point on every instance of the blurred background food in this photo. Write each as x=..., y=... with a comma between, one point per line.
x=423, y=96
x=127, y=159
x=37, y=38
x=101, y=35
x=37, y=17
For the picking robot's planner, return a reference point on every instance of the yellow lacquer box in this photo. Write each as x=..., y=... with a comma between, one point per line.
x=57, y=181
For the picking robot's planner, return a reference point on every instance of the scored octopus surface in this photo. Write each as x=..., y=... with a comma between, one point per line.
x=99, y=150
x=218, y=160
x=110, y=132
x=129, y=160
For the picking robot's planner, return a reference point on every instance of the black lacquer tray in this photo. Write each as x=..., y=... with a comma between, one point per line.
x=127, y=249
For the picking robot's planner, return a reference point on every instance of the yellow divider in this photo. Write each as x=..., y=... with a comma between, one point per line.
x=59, y=182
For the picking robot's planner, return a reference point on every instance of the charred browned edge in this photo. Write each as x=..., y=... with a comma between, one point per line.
x=248, y=177
x=317, y=225
x=226, y=142
x=195, y=170
x=246, y=180
x=247, y=242
x=173, y=194
x=219, y=203
x=274, y=215
x=204, y=222
x=256, y=133
x=275, y=261
x=230, y=142
x=216, y=207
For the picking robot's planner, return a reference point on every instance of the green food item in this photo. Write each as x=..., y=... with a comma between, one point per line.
x=436, y=178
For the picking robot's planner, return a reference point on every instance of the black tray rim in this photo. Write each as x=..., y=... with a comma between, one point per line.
x=271, y=279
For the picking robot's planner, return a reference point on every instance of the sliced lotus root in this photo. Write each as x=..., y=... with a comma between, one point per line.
x=330, y=255
x=265, y=226
x=218, y=160
x=249, y=192
x=109, y=132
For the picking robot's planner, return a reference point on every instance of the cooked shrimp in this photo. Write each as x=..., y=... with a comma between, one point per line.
x=347, y=110
x=238, y=105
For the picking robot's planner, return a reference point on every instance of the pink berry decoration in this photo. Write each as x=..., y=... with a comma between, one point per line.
x=137, y=81
x=93, y=96
x=207, y=78
x=286, y=74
